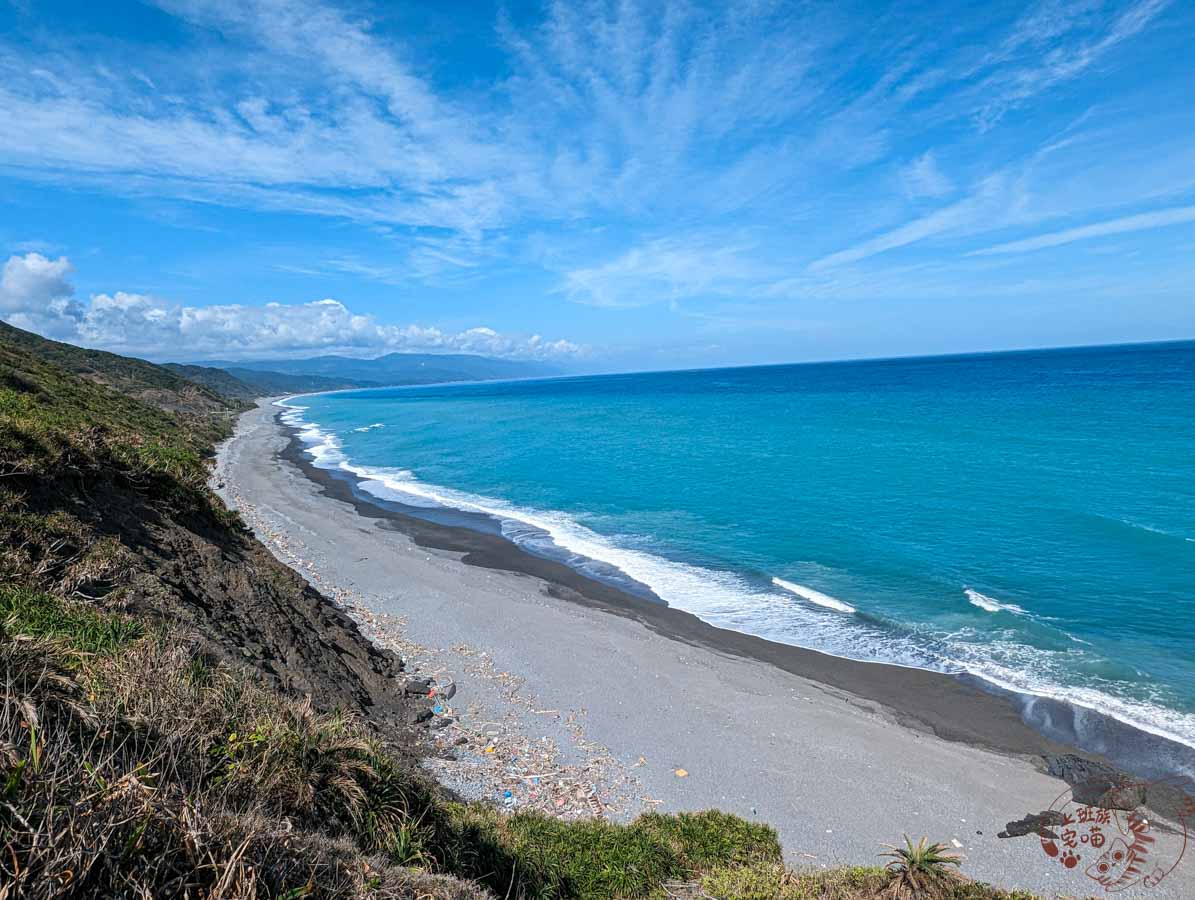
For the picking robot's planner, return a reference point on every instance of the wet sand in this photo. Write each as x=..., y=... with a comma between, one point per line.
x=840, y=756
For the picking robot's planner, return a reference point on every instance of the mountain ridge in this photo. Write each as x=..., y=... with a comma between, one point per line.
x=250, y=384
x=394, y=369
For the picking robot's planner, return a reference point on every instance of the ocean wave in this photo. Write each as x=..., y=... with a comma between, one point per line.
x=732, y=601
x=814, y=596
x=991, y=604
x=371, y=427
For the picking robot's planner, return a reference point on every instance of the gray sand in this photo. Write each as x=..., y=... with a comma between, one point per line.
x=836, y=774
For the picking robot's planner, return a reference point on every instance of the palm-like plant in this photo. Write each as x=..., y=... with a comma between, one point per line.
x=921, y=869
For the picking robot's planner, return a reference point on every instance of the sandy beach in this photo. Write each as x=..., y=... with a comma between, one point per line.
x=578, y=699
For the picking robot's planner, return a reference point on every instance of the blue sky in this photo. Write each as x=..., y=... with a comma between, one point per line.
x=608, y=185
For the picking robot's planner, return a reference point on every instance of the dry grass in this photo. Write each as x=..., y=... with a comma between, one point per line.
x=122, y=778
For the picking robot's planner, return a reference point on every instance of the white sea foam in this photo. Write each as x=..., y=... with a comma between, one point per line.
x=814, y=596
x=371, y=427
x=727, y=600
x=991, y=604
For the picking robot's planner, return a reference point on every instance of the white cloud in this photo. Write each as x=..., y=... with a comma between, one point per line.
x=651, y=117
x=1140, y=222
x=924, y=178
x=666, y=269
x=1055, y=62
x=988, y=205
x=35, y=294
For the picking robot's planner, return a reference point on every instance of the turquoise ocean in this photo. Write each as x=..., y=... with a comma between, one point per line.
x=1025, y=518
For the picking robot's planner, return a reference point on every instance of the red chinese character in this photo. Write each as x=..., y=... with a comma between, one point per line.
x=1070, y=837
x=1097, y=837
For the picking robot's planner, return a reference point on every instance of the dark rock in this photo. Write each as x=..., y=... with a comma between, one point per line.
x=442, y=722
x=417, y=686
x=419, y=715
x=1094, y=783
x=1034, y=823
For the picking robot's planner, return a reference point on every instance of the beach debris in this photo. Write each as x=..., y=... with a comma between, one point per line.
x=445, y=690
x=494, y=749
x=1034, y=823
x=681, y=773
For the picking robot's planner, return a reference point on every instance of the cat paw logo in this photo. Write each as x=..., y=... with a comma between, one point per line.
x=1106, y=832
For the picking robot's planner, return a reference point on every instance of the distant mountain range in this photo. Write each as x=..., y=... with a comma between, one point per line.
x=248, y=384
x=220, y=387
x=392, y=369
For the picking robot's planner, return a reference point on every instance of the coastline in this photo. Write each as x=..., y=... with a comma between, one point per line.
x=763, y=729
x=952, y=705
x=940, y=704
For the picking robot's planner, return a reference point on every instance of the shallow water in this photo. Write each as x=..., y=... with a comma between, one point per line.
x=1028, y=518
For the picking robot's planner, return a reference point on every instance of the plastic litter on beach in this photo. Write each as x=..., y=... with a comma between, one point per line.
x=494, y=749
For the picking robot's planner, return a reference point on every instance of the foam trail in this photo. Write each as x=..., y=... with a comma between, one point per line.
x=991, y=604
x=814, y=596
x=729, y=601
x=371, y=427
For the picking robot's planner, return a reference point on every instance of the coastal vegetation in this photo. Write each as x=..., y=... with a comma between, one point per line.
x=183, y=716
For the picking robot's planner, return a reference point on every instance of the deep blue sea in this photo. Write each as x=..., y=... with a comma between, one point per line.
x=1025, y=517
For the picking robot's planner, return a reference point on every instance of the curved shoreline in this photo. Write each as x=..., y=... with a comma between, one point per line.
x=654, y=690
x=953, y=707
x=947, y=707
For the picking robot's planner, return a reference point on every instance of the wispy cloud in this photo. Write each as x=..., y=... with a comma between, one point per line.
x=923, y=177
x=1053, y=61
x=1140, y=222
x=988, y=204
x=668, y=270
x=635, y=152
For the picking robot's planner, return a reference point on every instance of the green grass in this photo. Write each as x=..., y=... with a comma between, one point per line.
x=29, y=613
x=533, y=855
x=155, y=384
x=774, y=882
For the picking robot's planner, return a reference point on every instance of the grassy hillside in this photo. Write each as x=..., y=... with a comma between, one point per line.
x=223, y=383
x=183, y=716
x=249, y=384
x=134, y=378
